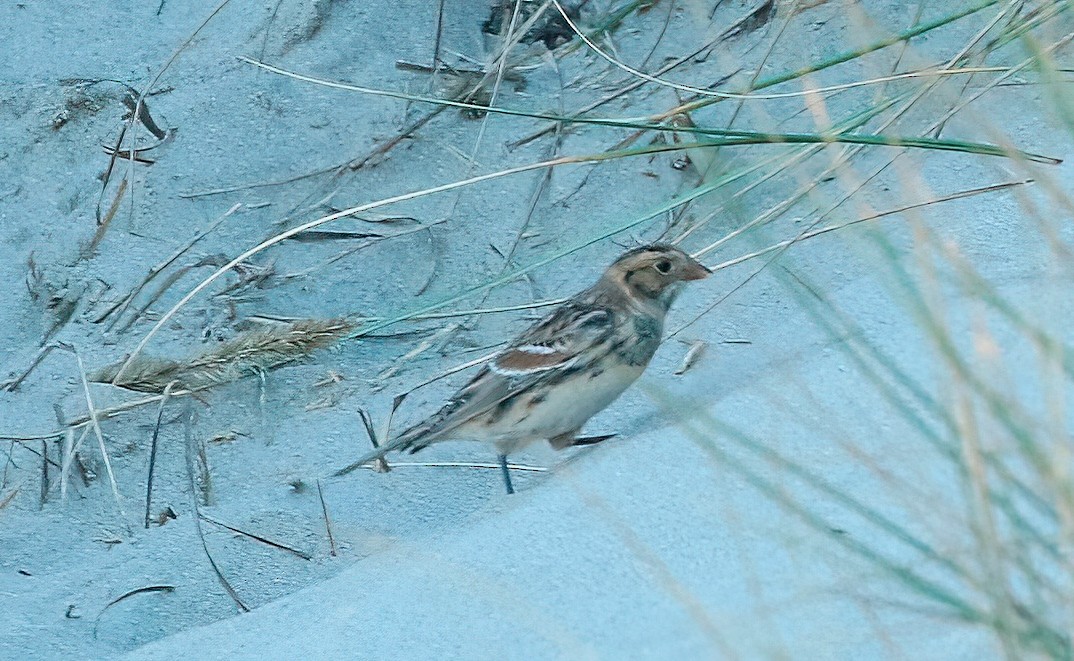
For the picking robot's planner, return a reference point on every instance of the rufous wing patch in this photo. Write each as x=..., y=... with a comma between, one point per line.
x=527, y=359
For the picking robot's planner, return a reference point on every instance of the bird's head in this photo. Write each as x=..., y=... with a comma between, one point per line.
x=653, y=273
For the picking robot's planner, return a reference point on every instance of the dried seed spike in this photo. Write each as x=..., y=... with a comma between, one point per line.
x=249, y=353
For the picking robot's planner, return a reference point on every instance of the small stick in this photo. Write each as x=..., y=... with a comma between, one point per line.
x=44, y=473
x=439, y=36
x=7, y=463
x=36, y=453
x=327, y=521
x=380, y=465
x=104, y=222
x=462, y=464
x=13, y=384
x=132, y=154
x=188, y=444
x=130, y=593
x=204, y=473
x=45, y=460
x=8, y=498
x=263, y=540
x=153, y=450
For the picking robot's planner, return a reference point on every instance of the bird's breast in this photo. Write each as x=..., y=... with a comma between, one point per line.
x=567, y=405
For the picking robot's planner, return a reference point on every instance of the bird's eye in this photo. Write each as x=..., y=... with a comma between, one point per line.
x=664, y=266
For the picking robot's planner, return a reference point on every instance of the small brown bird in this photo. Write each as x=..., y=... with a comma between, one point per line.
x=567, y=367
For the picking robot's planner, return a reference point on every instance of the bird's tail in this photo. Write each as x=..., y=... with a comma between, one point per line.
x=412, y=439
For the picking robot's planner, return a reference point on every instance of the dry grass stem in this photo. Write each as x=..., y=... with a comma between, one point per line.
x=95, y=425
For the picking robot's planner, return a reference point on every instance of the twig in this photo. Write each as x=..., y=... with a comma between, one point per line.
x=44, y=473
x=255, y=536
x=128, y=594
x=461, y=464
x=6, y=500
x=36, y=453
x=188, y=445
x=153, y=450
x=381, y=464
x=42, y=353
x=327, y=521
x=8, y=463
x=262, y=184
x=104, y=222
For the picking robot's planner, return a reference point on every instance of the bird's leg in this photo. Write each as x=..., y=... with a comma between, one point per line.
x=506, y=474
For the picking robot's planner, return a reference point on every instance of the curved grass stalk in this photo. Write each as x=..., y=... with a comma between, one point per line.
x=733, y=137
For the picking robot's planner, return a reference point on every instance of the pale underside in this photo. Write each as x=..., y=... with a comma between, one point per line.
x=562, y=411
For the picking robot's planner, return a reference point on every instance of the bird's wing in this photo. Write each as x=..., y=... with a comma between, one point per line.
x=555, y=342
x=558, y=342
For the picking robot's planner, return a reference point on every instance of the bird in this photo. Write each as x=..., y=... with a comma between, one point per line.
x=564, y=369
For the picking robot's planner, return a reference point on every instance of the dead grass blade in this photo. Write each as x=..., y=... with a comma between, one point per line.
x=188, y=433
x=462, y=464
x=70, y=450
x=693, y=354
x=259, y=538
x=44, y=474
x=728, y=137
x=127, y=595
x=6, y=500
x=103, y=222
x=96, y=427
x=42, y=353
x=327, y=521
x=120, y=307
x=153, y=451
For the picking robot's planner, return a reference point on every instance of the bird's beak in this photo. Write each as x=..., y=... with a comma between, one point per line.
x=695, y=271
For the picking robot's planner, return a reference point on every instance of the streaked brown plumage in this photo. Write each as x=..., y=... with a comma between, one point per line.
x=567, y=367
